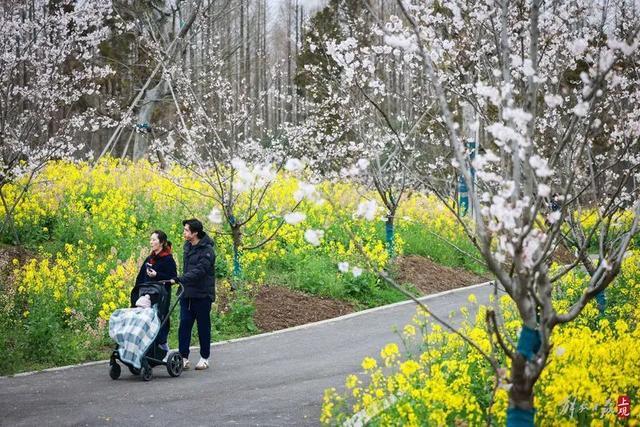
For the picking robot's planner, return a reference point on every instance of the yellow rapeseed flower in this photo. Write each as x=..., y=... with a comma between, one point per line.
x=369, y=363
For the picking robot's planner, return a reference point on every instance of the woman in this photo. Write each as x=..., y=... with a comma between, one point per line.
x=159, y=265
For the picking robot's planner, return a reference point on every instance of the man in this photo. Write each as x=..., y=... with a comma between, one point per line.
x=198, y=279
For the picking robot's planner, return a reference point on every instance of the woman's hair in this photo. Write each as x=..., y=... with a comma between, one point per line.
x=195, y=226
x=162, y=237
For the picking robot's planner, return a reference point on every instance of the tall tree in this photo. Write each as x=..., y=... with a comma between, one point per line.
x=48, y=64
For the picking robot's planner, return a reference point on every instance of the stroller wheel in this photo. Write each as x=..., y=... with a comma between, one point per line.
x=114, y=371
x=146, y=373
x=174, y=364
x=134, y=371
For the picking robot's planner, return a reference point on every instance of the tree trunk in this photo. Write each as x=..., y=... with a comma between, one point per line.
x=288, y=113
x=151, y=99
x=390, y=235
x=236, y=235
x=521, y=411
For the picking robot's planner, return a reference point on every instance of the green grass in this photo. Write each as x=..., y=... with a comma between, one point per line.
x=318, y=275
x=419, y=241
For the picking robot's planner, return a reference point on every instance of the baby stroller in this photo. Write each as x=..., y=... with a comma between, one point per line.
x=154, y=355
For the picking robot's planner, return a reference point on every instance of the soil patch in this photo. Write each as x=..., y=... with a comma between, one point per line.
x=278, y=307
x=430, y=278
x=7, y=255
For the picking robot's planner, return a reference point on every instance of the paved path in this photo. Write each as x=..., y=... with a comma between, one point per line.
x=270, y=380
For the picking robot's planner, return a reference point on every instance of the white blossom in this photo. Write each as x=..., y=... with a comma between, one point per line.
x=305, y=191
x=343, y=266
x=581, y=109
x=363, y=164
x=518, y=115
x=527, y=68
x=294, y=218
x=544, y=190
x=293, y=165
x=504, y=134
x=625, y=48
x=215, y=216
x=490, y=92
x=490, y=156
x=531, y=247
x=540, y=166
x=578, y=46
x=554, y=217
x=553, y=100
x=401, y=42
x=314, y=236
x=356, y=271
x=238, y=164
x=367, y=209
x=264, y=173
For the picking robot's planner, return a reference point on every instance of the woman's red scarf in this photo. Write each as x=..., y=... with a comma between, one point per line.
x=153, y=258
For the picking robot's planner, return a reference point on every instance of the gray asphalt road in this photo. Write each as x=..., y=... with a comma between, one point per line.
x=272, y=380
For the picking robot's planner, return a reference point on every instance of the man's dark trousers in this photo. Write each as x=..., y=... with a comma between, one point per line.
x=195, y=310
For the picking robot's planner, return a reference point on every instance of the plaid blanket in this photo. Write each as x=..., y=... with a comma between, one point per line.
x=134, y=329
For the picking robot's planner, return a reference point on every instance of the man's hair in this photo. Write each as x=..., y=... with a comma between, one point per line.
x=195, y=226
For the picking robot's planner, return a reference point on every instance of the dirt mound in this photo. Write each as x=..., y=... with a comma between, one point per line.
x=279, y=308
x=429, y=277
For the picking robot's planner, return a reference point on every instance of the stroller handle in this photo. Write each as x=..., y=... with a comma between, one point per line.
x=166, y=282
x=157, y=282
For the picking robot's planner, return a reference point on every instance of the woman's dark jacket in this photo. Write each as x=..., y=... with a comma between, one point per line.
x=198, y=276
x=165, y=267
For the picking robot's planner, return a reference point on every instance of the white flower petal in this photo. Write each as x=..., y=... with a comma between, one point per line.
x=294, y=218
x=367, y=210
x=544, y=190
x=293, y=165
x=313, y=236
x=356, y=271
x=343, y=267
x=215, y=216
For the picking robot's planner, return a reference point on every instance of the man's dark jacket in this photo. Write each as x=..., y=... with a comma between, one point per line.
x=198, y=272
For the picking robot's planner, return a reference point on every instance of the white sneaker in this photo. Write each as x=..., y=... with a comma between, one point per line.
x=185, y=364
x=202, y=364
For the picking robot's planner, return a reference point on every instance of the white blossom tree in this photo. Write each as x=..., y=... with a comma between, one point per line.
x=359, y=126
x=47, y=65
x=553, y=91
x=209, y=138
